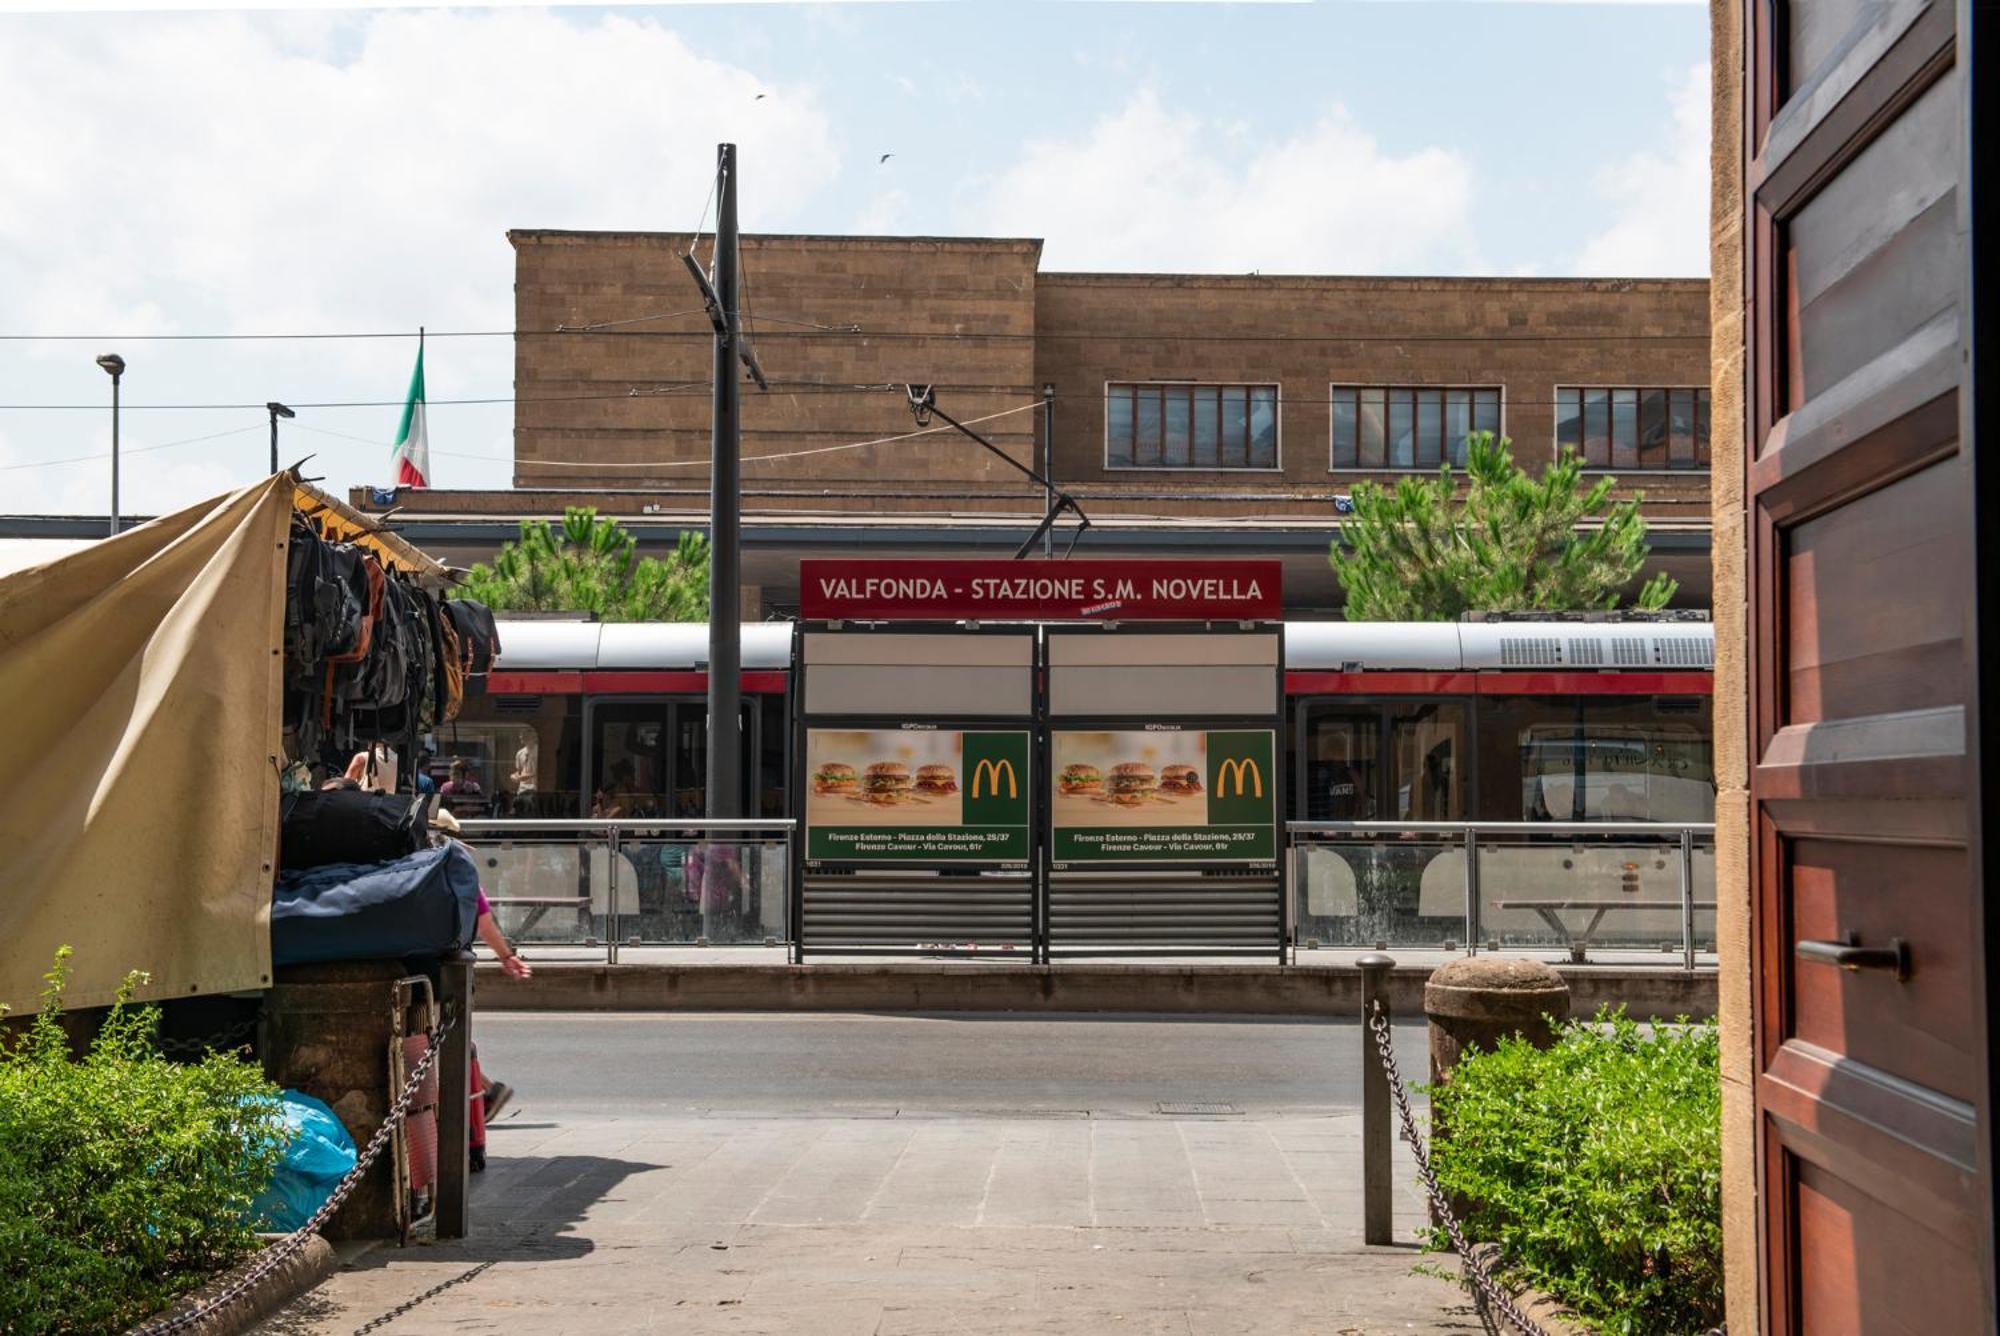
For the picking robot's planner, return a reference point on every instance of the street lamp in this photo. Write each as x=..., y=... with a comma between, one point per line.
x=277, y=411
x=115, y=366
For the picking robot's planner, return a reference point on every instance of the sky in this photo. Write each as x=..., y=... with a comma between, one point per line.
x=281, y=172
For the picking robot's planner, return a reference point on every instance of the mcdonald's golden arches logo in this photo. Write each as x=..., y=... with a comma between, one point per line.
x=991, y=770
x=1237, y=769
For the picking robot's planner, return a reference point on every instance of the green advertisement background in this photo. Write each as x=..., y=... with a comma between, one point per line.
x=994, y=829
x=1242, y=827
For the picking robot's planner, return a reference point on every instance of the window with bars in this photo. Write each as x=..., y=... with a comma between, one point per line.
x=1408, y=426
x=1190, y=426
x=1634, y=427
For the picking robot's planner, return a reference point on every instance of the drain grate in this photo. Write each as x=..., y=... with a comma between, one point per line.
x=1195, y=1107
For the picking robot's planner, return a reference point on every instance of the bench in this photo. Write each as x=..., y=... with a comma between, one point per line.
x=1551, y=911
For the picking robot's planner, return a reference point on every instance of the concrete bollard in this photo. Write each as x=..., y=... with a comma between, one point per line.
x=1472, y=1003
x=1377, y=1179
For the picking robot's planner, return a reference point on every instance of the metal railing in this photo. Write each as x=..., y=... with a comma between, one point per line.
x=600, y=884
x=1503, y=885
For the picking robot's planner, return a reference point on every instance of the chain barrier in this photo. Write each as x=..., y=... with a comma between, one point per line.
x=222, y=1041
x=278, y=1253
x=1475, y=1268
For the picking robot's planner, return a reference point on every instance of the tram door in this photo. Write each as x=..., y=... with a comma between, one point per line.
x=648, y=758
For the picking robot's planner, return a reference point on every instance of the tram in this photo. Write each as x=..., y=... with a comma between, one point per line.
x=1385, y=722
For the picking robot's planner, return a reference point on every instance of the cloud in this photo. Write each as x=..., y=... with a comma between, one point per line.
x=1147, y=188
x=231, y=173
x=1659, y=197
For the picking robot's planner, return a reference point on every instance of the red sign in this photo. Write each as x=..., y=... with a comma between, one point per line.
x=1056, y=591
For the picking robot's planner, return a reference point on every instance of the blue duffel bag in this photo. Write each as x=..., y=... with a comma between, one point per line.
x=422, y=905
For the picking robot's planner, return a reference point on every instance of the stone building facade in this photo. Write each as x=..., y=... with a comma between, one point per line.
x=1170, y=405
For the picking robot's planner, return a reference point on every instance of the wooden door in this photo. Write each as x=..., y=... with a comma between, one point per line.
x=1871, y=986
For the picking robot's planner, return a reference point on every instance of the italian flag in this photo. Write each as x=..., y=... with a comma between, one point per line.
x=412, y=454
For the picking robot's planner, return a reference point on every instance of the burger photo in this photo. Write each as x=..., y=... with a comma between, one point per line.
x=1180, y=779
x=1081, y=778
x=835, y=777
x=887, y=782
x=1132, y=783
x=936, y=779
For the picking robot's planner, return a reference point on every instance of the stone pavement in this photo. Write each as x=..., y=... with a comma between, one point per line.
x=887, y=1222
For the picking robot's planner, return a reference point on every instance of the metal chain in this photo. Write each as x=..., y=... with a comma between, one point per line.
x=275, y=1255
x=1475, y=1269
x=222, y=1041
x=431, y=1293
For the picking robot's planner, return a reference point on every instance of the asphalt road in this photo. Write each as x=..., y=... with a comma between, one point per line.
x=624, y=1064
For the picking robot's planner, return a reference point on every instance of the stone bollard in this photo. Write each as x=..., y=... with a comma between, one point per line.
x=1472, y=1003
x=1477, y=1001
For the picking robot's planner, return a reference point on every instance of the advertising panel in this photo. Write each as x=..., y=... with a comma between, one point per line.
x=916, y=795
x=1159, y=796
x=1083, y=589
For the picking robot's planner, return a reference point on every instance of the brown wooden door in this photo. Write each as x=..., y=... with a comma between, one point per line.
x=1872, y=1084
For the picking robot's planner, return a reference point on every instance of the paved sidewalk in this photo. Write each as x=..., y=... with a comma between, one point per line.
x=891, y=1222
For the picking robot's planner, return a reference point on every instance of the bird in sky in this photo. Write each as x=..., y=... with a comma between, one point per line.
x=884, y=158
x=759, y=98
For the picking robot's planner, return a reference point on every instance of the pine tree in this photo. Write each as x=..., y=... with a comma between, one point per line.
x=1419, y=553
x=590, y=564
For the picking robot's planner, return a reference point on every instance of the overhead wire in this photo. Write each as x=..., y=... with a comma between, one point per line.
x=780, y=454
x=123, y=451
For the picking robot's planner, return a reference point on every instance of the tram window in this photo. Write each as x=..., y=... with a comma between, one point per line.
x=1573, y=758
x=1427, y=748
x=1343, y=764
x=629, y=762
x=489, y=752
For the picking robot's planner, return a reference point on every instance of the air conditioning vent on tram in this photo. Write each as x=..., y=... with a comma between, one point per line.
x=1628, y=652
x=1530, y=652
x=1586, y=653
x=1683, y=652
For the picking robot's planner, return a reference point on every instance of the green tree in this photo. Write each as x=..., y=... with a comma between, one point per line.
x=1420, y=553
x=590, y=563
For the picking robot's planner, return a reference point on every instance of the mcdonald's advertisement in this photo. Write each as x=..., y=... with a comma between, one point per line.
x=916, y=795
x=1164, y=796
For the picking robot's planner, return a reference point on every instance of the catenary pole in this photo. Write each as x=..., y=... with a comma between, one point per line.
x=725, y=738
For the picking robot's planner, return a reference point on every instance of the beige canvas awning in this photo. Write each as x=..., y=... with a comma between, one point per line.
x=140, y=721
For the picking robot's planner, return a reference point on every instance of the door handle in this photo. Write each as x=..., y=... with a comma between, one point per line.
x=1850, y=955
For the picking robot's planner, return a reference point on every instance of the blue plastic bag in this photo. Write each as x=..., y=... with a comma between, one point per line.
x=318, y=1154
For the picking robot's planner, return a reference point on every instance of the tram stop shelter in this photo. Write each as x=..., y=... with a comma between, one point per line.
x=1040, y=758
x=142, y=677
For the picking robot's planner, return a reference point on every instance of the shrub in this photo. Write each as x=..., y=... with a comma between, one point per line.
x=1596, y=1166
x=125, y=1179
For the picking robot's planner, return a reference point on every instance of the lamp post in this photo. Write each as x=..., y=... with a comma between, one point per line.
x=114, y=365
x=276, y=411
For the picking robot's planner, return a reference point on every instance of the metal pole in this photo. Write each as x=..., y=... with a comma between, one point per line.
x=116, y=376
x=1471, y=890
x=1377, y=1186
x=725, y=743
x=614, y=927
x=1048, y=465
x=455, y=1102
x=1687, y=898
x=274, y=437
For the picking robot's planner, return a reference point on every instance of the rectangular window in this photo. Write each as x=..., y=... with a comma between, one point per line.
x=1650, y=428
x=1407, y=426
x=1190, y=426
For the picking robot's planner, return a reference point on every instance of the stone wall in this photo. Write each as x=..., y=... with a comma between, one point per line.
x=1732, y=755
